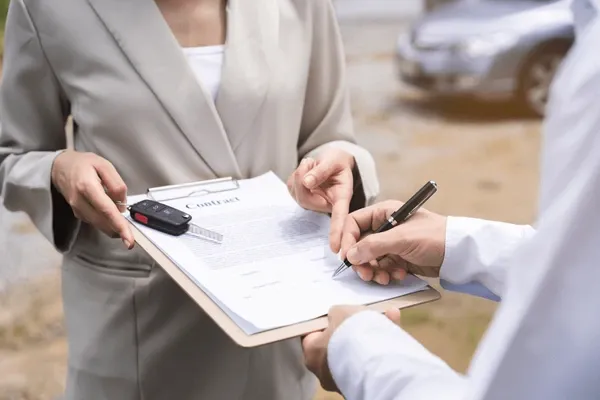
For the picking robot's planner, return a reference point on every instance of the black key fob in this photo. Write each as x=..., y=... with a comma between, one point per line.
x=161, y=217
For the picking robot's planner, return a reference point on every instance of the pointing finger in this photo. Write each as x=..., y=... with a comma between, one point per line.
x=339, y=212
x=350, y=235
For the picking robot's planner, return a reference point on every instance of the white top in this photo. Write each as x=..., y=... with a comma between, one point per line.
x=207, y=63
x=544, y=340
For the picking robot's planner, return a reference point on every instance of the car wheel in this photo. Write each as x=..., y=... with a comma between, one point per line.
x=537, y=76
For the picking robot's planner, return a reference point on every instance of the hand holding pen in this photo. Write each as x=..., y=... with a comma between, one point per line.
x=415, y=244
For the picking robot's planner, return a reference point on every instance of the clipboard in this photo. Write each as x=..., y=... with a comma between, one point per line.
x=219, y=316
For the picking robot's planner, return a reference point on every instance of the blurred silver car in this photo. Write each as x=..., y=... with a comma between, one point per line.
x=490, y=49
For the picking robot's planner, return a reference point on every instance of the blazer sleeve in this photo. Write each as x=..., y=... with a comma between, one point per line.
x=327, y=120
x=33, y=113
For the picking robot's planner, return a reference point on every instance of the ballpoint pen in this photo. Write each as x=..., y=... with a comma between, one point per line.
x=399, y=216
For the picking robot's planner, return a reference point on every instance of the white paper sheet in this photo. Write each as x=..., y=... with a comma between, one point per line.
x=274, y=266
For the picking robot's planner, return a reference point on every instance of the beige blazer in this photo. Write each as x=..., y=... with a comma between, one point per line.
x=115, y=67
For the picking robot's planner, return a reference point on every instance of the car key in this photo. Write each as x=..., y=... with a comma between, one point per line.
x=169, y=220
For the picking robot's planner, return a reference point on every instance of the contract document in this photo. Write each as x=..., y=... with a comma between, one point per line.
x=274, y=267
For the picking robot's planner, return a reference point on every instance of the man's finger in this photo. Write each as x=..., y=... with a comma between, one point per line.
x=398, y=274
x=365, y=272
x=382, y=277
x=393, y=315
x=378, y=245
x=309, y=341
x=392, y=262
x=372, y=217
x=337, y=314
x=312, y=349
x=104, y=205
x=339, y=212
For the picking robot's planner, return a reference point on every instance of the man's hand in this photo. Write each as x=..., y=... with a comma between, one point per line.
x=315, y=344
x=325, y=185
x=416, y=246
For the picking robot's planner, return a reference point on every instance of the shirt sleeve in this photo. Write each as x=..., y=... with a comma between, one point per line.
x=371, y=358
x=478, y=253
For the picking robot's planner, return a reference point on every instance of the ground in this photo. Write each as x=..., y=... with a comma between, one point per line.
x=484, y=158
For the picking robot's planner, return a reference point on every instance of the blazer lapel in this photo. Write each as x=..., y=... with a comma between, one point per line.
x=148, y=43
x=252, y=40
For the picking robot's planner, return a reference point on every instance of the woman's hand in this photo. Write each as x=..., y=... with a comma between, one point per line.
x=326, y=185
x=416, y=246
x=91, y=186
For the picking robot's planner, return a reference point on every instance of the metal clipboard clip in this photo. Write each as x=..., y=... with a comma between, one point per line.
x=195, y=189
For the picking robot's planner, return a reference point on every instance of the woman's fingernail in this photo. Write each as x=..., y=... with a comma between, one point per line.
x=309, y=181
x=127, y=243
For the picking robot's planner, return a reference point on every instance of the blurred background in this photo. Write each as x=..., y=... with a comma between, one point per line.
x=452, y=91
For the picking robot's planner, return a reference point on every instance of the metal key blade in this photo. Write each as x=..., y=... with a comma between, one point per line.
x=203, y=233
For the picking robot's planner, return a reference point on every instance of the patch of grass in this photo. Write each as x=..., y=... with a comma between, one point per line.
x=414, y=317
x=3, y=12
x=31, y=313
x=476, y=326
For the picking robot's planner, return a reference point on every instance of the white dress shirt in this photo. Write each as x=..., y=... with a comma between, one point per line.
x=207, y=64
x=479, y=253
x=544, y=341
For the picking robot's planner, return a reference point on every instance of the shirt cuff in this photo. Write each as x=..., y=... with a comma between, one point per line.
x=478, y=253
x=368, y=339
x=457, y=228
